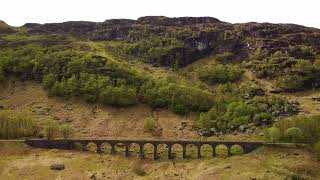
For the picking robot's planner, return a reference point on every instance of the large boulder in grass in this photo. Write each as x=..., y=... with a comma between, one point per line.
x=57, y=167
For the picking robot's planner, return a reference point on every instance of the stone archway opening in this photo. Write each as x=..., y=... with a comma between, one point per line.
x=106, y=148
x=236, y=150
x=177, y=151
x=148, y=151
x=134, y=150
x=120, y=148
x=206, y=151
x=221, y=151
x=162, y=151
x=91, y=147
x=191, y=151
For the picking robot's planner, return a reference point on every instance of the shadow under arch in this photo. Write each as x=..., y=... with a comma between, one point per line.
x=191, y=151
x=148, y=150
x=207, y=151
x=221, y=150
x=236, y=150
x=134, y=150
x=77, y=146
x=162, y=151
x=177, y=151
x=105, y=148
x=91, y=147
x=119, y=148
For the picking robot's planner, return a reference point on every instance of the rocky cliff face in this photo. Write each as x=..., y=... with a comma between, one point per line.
x=200, y=35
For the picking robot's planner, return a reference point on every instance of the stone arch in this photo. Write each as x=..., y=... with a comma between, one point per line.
x=134, y=149
x=236, y=149
x=177, y=151
x=120, y=148
x=162, y=151
x=191, y=151
x=221, y=150
x=206, y=151
x=91, y=147
x=105, y=148
x=148, y=150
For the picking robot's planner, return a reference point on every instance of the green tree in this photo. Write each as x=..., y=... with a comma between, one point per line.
x=66, y=131
x=149, y=124
x=293, y=134
x=273, y=134
x=51, y=129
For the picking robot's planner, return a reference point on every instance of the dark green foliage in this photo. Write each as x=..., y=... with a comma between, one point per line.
x=226, y=57
x=305, y=129
x=95, y=78
x=51, y=129
x=66, y=131
x=220, y=73
x=292, y=74
x=15, y=124
x=180, y=109
x=303, y=75
x=233, y=108
x=164, y=94
x=149, y=124
x=157, y=49
x=293, y=134
x=118, y=96
x=296, y=177
x=272, y=134
x=302, y=52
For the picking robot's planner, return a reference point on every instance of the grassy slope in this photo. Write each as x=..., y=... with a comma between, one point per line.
x=105, y=121
x=17, y=160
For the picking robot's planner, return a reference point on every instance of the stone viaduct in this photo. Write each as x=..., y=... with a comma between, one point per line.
x=71, y=144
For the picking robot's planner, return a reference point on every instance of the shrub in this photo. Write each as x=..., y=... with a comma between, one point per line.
x=309, y=128
x=149, y=124
x=293, y=134
x=262, y=118
x=272, y=134
x=49, y=80
x=66, y=131
x=14, y=124
x=51, y=129
x=225, y=57
x=180, y=109
x=118, y=96
x=220, y=73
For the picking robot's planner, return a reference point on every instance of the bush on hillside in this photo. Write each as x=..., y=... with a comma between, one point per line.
x=220, y=73
x=272, y=134
x=94, y=78
x=66, y=131
x=171, y=95
x=149, y=124
x=293, y=134
x=309, y=129
x=14, y=124
x=118, y=96
x=233, y=107
x=51, y=129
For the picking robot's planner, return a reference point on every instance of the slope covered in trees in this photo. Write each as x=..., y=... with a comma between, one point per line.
x=158, y=61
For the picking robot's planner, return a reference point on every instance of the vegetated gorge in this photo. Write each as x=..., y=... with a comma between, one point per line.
x=186, y=78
